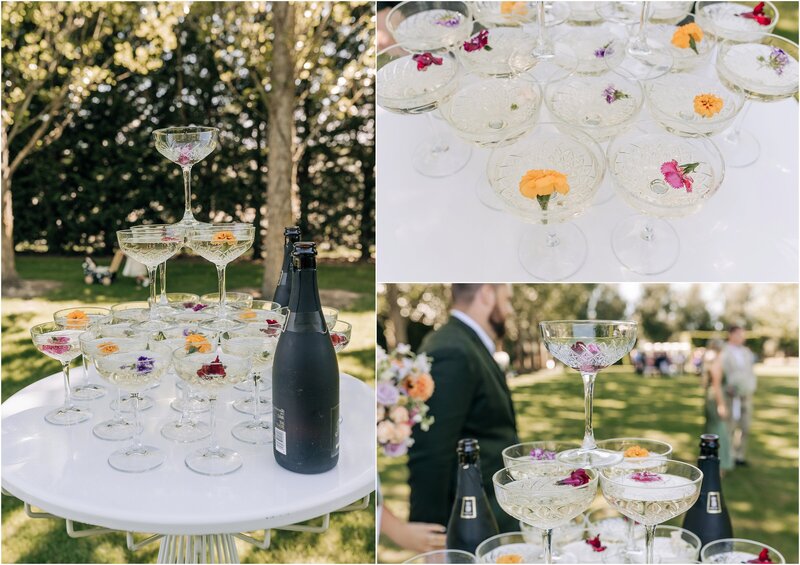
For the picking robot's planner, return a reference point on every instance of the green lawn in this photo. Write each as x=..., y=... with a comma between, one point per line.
x=762, y=498
x=351, y=535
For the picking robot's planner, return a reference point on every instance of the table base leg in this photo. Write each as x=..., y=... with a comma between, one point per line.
x=215, y=548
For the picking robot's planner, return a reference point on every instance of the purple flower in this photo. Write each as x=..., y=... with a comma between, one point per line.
x=449, y=19
x=387, y=394
x=611, y=94
x=145, y=364
x=198, y=307
x=605, y=51
x=777, y=60
x=395, y=449
x=646, y=477
x=542, y=454
x=185, y=156
x=577, y=478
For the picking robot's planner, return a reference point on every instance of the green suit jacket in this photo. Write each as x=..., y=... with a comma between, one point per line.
x=470, y=400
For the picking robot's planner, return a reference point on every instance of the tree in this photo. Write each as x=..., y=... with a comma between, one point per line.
x=655, y=312
x=55, y=55
x=691, y=311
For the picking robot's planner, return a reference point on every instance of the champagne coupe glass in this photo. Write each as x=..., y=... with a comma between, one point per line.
x=430, y=26
x=443, y=556
x=588, y=346
x=84, y=318
x=212, y=372
x=651, y=492
x=535, y=492
x=105, y=340
x=766, y=69
x=257, y=342
x=647, y=58
x=221, y=244
x=151, y=247
x=724, y=19
x=183, y=300
x=331, y=316
x=340, y=335
x=595, y=50
x=136, y=311
x=633, y=450
x=259, y=312
x=617, y=532
x=134, y=368
x=171, y=230
x=237, y=299
x=497, y=14
x=548, y=14
x=186, y=146
x=491, y=112
x=689, y=44
x=738, y=550
x=661, y=176
x=62, y=345
x=192, y=338
x=508, y=52
x=501, y=548
x=552, y=249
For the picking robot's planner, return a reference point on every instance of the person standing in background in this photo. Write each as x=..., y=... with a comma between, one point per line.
x=717, y=406
x=735, y=369
x=471, y=399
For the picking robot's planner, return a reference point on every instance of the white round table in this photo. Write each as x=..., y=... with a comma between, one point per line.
x=63, y=470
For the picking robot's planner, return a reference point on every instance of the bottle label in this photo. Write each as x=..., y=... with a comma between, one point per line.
x=468, y=510
x=280, y=430
x=713, y=505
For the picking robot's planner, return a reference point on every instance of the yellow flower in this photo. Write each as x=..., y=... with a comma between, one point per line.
x=77, y=319
x=517, y=8
x=223, y=237
x=509, y=558
x=247, y=315
x=198, y=342
x=683, y=36
x=636, y=451
x=107, y=347
x=543, y=182
x=707, y=105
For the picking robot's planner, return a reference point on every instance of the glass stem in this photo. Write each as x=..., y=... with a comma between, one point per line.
x=221, y=279
x=187, y=192
x=163, y=270
x=588, y=398
x=256, y=398
x=137, y=436
x=552, y=239
x=649, y=540
x=733, y=136
x=639, y=45
x=152, y=273
x=67, y=391
x=118, y=407
x=648, y=233
x=630, y=545
x=213, y=446
x=439, y=143
x=547, y=544
x=183, y=395
x=542, y=48
x=85, y=369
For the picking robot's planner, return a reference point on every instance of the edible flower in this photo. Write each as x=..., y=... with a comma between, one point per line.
x=707, y=104
x=338, y=339
x=77, y=319
x=198, y=307
x=518, y=8
x=57, y=345
x=480, y=41
x=677, y=176
x=197, y=343
x=223, y=237
x=646, y=477
x=611, y=94
x=107, y=347
x=605, y=51
x=541, y=184
x=211, y=370
x=425, y=60
x=582, y=348
x=776, y=61
x=576, y=478
x=540, y=454
x=143, y=365
x=763, y=557
x=185, y=156
x=509, y=557
x=688, y=35
x=595, y=543
x=636, y=451
x=247, y=315
x=449, y=19
x=757, y=14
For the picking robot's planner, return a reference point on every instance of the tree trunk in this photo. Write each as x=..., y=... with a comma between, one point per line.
x=280, y=173
x=367, y=233
x=399, y=324
x=8, y=269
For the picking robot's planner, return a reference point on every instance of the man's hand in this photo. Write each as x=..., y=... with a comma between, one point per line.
x=722, y=411
x=421, y=537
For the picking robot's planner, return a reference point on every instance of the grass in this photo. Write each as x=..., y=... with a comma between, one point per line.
x=351, y=537
x=762, y=498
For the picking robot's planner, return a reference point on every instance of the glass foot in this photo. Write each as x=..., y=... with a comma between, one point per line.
x=137, y=459
x=441, y=157
x=219, y=461
x=738, y=150
x=185, y=432
x=113, y=430
x=245, y=405
x=64, y=416
x=196, y=405
x=145, y=403
x=253, y=432
x=87, y=392
x=590, y=458
x=487, y=195
x=553, y=252
x=647, y=246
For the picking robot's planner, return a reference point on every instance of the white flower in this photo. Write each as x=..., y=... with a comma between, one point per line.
x=403, y=349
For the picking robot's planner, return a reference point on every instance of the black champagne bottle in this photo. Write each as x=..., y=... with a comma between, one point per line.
x=283, y=289
x=305, y=378
x=471, y=520
x=709, y=518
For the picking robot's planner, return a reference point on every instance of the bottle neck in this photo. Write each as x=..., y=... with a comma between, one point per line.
x=288, y=247
x=305, y=310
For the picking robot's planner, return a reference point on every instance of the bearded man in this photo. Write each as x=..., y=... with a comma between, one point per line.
x=471, y=400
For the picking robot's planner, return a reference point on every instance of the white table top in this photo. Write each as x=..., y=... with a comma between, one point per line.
x=436, y=230
x=63, y=469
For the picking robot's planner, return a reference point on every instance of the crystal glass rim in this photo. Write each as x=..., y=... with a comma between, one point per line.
x=440, y=552
x=390, y=26
x=719, y=541
x=773, y=24
x=667, y=462
x=129, y=305
x=411, y=52
x=274, y=305
x=232, y=226
x=729, y=42
x=596, y=322
x=504, y=486
x=567, y=444
x=648, y=88
x=683, y=531
x=185, y=130
x=86, y=308
x=636, y=439
x=347, y=325
x=39, y=329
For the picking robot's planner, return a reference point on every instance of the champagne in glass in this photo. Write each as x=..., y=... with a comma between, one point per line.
x=84, y=318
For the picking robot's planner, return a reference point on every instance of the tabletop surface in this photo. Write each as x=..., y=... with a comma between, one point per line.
x=63, y=469
x=436, y=230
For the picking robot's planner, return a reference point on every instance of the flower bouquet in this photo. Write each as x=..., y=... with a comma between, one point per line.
x=404, y=385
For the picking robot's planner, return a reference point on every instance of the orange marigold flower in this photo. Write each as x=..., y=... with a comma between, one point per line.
x=636, y=451
x=77, y=319
x=107, y=347
x=707, y=105
x=509, y=558
x=420, y=387
x=198, y=342
x=223, y=237
x=543, y=182
x=518, y=8
x=247, y=315
x=683, y=36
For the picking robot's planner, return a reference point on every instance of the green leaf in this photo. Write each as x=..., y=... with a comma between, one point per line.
x=514, y=106
x=488, y=48
x=689, y=168
x=544, y=200
x=693, y=44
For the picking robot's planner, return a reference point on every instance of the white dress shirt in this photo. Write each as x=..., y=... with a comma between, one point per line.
x=484, y=337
